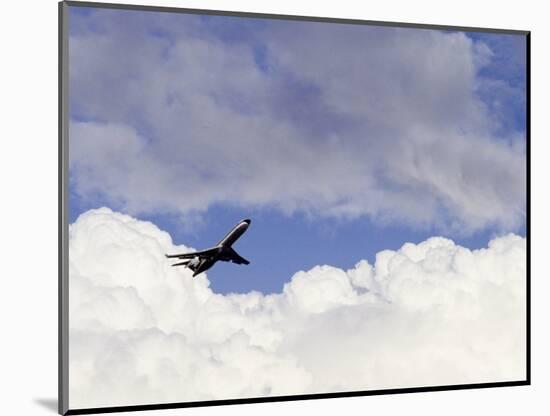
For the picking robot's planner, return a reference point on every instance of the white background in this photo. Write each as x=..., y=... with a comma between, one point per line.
x=28, y=227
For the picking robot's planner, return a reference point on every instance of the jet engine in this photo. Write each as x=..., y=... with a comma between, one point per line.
x=193, y=262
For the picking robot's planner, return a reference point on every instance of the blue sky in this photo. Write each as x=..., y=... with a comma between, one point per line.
x=195, y=147
x=279, y=245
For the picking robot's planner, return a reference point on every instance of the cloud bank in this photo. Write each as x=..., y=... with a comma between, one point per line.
x=141, y=332
x=400, y=125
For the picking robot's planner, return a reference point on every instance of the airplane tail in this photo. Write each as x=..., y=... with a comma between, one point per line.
x=183, y=263
x=188, y=265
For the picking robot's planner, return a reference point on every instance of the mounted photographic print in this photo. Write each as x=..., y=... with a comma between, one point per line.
x=264, y=208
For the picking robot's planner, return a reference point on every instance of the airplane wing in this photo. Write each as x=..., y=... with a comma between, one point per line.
x=234, y=257
x=201, y=254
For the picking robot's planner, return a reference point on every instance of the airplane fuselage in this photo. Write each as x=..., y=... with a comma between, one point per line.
x=204, y=265
x=201, y=261
x=234, y=234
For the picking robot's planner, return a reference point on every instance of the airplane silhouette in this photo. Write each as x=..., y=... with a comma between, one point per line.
x=200, y=261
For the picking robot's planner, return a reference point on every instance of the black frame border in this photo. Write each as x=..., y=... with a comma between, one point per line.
x=63, y=204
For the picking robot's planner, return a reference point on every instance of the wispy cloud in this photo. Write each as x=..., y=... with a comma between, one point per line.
x=170, y=115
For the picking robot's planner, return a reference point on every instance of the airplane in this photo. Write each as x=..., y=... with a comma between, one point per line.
x=200, y=261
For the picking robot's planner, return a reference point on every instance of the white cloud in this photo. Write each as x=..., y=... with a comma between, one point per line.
x=427, y=314
x=347, y=121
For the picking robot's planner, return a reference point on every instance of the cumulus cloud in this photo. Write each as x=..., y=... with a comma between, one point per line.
x=141, y=332
x=328, y=120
